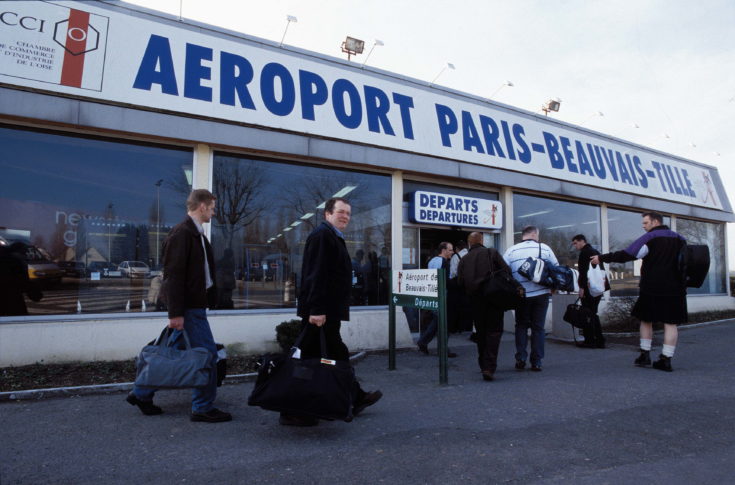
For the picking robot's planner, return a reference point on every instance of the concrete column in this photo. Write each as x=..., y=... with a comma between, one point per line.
x=201, y=177
x=506, y=197
x=396, y=209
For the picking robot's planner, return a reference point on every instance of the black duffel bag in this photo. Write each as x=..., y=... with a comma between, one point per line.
x=579, y=316
x=316, y=387
x=502, y=290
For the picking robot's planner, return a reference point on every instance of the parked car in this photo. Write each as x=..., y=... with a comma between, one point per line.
x=40, y=266
x=74, y=269
x=134, y=269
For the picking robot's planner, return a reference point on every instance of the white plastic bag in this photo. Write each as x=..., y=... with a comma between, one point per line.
x=596, y=280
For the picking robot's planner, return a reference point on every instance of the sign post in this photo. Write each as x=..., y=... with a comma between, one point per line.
x=423, y=289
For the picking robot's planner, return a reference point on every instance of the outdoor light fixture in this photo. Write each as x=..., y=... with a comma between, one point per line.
x=448, y=66
x=506, y=83
x=551, y=105
x=289, y=19
x=377, y=42
x=352, y=46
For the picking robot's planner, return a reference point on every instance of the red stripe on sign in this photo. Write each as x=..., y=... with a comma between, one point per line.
x=76, y=41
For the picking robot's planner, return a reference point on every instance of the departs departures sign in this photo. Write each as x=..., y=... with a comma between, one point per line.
x=423, y=289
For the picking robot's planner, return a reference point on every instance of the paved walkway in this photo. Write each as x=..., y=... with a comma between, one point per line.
x=590, y=417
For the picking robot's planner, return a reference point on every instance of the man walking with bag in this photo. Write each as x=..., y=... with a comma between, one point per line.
x=662, y=296
x=532, y=312
x=188, y=289
x=593, y=337
x=474, y=269
x=324, y=299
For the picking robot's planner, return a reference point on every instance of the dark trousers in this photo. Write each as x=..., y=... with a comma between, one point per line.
x=593, y=336
x=531, y=314
x=336, y=348
x=489, y=326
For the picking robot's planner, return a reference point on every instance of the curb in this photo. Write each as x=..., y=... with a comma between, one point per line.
x=52, y=392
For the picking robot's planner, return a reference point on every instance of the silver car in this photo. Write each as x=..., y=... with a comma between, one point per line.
x=134, y=269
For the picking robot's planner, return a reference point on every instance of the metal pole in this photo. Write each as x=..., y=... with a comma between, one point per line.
x=391, y=331
x=443, y=334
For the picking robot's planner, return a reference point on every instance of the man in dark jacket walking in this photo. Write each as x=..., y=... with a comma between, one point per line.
x=593, y=337
x=324, y=298
x=662, y=296
x=188, y=289
x=474, y=268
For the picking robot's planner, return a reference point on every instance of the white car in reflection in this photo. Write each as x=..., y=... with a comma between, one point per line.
x=134, y=269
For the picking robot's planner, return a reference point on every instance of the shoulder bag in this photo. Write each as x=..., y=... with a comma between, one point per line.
x=578, y=316
x=319, y=387
x=160, y=366
x=502, y=290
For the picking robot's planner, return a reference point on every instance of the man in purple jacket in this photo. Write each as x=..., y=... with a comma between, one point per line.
x=662, y=296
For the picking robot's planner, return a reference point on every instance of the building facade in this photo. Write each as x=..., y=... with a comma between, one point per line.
x=110, y=114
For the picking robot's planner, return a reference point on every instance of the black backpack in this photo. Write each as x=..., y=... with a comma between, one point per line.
x=693, y=264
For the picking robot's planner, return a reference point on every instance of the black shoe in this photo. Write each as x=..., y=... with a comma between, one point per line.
x=585, y=345
x=451, y=354
x=368, y=399
x=536, y=367
x=423, y=349
x=291, y=420
x=214, y=415
x=146, y=407
x=600, y=346
x=520, y=364
x=473, y=337
x=488, y=375
x=644, y=359
x=663, y=363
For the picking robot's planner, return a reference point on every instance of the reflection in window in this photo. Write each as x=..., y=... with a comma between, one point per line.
x=624, y=227
x=89, y=208
x=558, y=222
x=264, y=212
x=713, y=235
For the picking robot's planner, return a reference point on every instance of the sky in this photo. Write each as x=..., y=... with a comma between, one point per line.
x=660, y=73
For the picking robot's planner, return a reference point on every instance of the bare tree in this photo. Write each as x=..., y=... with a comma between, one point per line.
x=237, y=187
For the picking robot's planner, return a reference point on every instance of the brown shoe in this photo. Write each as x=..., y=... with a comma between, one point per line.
x=368, y=399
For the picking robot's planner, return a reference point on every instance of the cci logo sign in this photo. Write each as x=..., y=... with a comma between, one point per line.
x=77, y=39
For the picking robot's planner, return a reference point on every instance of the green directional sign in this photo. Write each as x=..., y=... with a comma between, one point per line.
x=420, y=302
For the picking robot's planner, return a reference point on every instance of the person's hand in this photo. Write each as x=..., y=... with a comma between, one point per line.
x=595, y=259
x=581, y=292
x=177, y=323
x=317, y=320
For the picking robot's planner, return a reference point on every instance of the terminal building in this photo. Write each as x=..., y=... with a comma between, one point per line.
x=111, y=113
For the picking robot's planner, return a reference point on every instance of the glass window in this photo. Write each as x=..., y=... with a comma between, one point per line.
x=713, y=235
x=624, y=227
x=558, y=222
x=264, y=212
x=94, y=213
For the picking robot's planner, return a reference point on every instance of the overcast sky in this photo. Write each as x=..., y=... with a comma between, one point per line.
x=661, y=72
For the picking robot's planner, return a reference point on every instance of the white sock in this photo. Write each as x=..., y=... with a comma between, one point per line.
x=646, y=344
x=668, y=350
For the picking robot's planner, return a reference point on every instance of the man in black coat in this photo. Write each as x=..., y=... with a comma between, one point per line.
x=593, y=337
x=474, y=269
x=324, y=299
x=14, y=280
x=188, y=289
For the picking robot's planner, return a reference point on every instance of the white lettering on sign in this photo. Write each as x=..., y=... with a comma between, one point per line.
x=455, y=210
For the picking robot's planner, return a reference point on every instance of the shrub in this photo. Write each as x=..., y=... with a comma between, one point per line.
x=287, y=332
x=617, y=315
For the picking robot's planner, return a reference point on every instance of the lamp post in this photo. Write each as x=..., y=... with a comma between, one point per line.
x=109, y=224
x=448, y=66
x=289, y=19
x=158, y=215
x=506, y=83
x=377, y=42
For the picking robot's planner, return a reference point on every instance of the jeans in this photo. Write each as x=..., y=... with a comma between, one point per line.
x=431, y=319
x=531, y=314
x=200, y=335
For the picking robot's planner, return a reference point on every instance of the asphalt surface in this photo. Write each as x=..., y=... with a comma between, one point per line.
x=590, y=417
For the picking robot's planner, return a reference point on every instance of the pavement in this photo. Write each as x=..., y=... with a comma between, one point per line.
x=590, y=417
